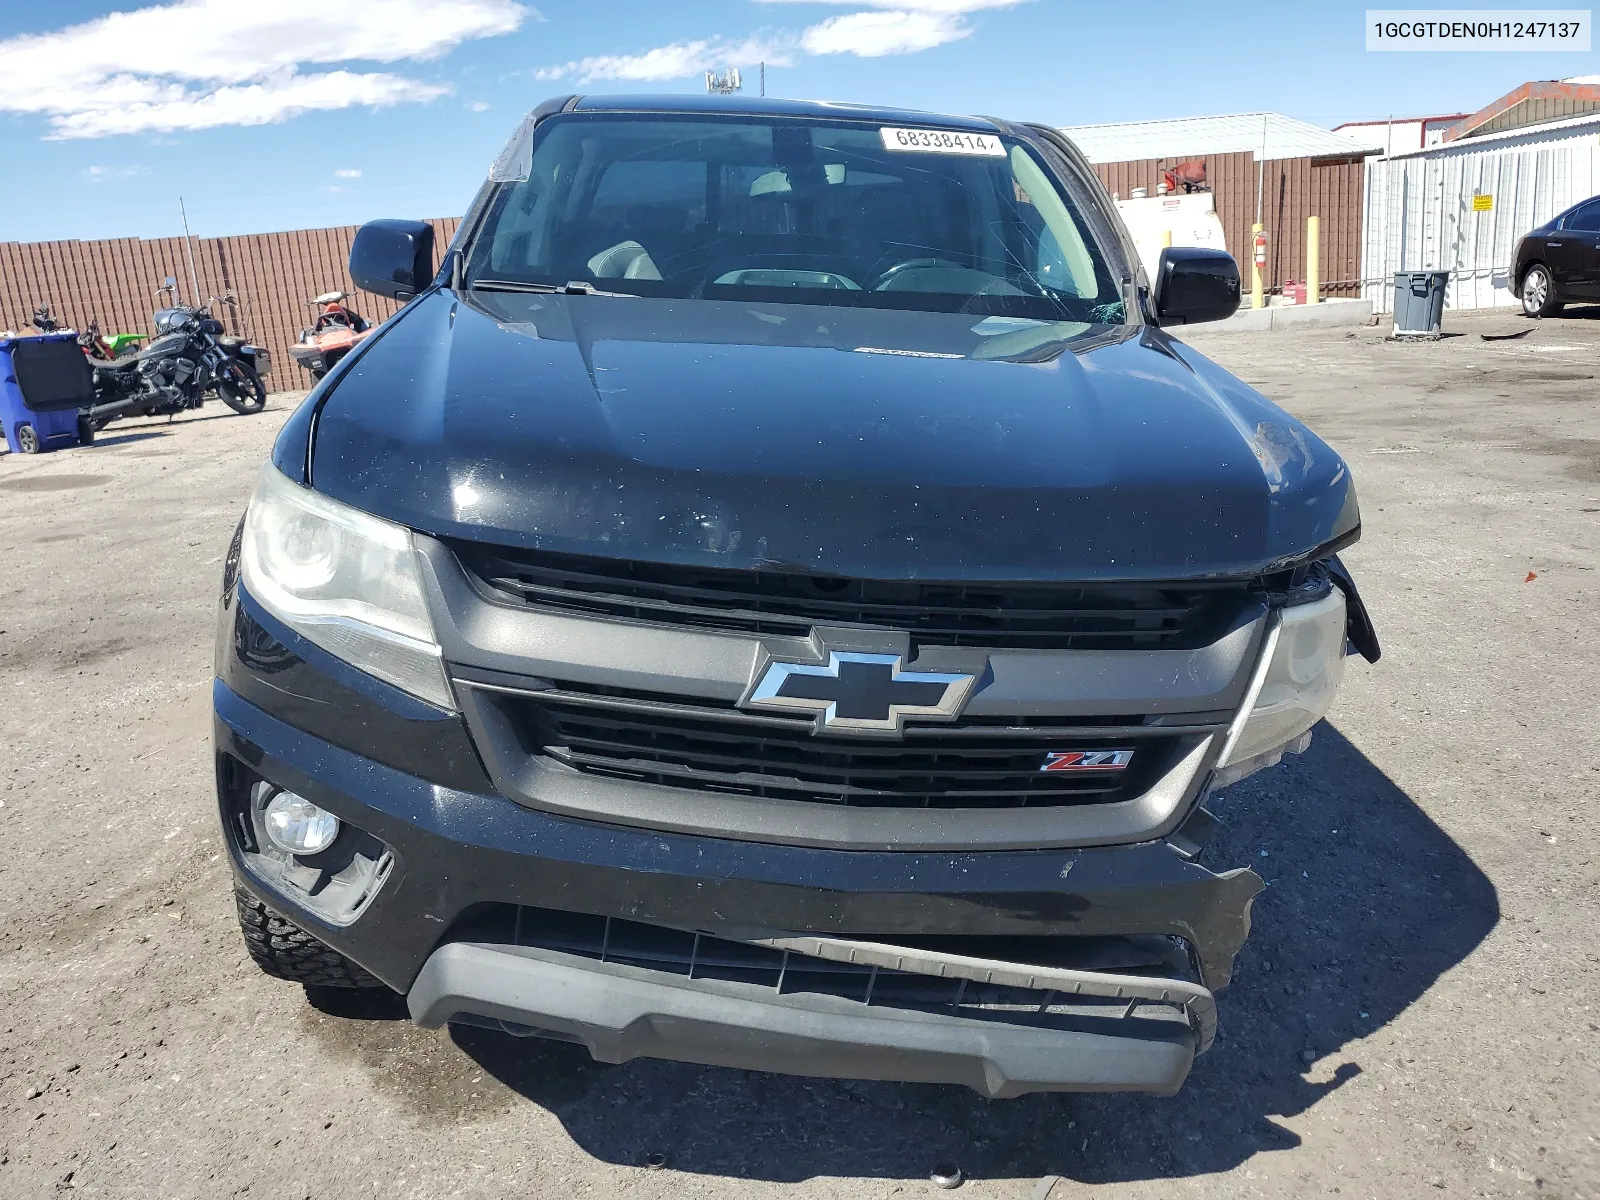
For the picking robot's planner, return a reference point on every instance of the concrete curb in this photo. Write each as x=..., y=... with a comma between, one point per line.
x=1327, y=315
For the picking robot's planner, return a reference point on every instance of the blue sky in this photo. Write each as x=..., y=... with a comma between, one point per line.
x=277, y=114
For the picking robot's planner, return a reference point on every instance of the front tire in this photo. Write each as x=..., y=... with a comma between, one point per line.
x=241, y=388
x=285, y=951
x=85, y=431
x=1539, y=293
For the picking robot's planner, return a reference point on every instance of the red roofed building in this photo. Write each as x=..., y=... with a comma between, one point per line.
x=1532, y=104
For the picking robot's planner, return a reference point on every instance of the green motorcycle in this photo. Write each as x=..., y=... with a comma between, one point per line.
x=107, y=347
x=123, y=343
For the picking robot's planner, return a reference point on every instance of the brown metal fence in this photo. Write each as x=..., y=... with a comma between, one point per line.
x=1292, y=189
x=115, y=281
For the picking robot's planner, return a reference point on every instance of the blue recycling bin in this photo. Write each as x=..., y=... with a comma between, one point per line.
x=44, y=381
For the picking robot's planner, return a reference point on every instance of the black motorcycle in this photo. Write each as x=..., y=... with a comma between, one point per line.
x=188, y=358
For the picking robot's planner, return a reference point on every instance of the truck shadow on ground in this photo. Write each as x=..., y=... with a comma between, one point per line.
x=1368, y=903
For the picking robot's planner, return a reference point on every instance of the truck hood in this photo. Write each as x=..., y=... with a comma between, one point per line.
x=861, y=442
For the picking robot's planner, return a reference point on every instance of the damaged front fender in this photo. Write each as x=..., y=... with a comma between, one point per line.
x=1358, y=624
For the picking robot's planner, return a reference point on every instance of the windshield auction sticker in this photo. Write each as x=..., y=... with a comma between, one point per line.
x=943, y=141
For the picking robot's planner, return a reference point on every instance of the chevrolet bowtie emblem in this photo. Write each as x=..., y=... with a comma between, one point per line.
x=859, y=690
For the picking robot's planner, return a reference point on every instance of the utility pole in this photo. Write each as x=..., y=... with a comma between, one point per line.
x=1258, y=297
x=188, y=245
x=763, y=77
x=1261, y=167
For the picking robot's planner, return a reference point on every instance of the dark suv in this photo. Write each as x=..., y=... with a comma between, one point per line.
x=778, y=597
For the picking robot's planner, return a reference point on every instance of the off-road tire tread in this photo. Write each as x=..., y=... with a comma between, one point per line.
x=284, y=950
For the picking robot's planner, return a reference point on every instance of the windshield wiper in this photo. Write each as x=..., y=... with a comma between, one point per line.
x=574, y=287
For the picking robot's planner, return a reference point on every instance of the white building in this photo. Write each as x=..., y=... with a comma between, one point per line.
x=1400, y=135
x=1461, y=206
x=1267, y=135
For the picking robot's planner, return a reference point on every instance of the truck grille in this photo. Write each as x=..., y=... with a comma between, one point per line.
x=1017, y=615
x=718, y=748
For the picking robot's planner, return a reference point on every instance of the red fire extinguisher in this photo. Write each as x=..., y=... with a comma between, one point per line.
x=1261, y=251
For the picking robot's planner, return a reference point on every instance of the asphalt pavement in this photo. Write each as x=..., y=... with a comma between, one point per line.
x=1415, y=1014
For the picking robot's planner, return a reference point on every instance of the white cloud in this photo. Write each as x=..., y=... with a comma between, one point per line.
x=880, y=27
x=679, y=60
x=347, y=173
x=937, y=7
x=478, y=106
x=277, y=99
x=892, y=26
x=202, y=63
x=101, y=174
x=874, y=34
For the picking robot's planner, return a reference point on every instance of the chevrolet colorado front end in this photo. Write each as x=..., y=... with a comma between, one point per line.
x=778, y=596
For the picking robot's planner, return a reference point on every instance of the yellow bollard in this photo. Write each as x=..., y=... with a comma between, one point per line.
x=1257, y=298
x=1313, y=259
x=1166, y=238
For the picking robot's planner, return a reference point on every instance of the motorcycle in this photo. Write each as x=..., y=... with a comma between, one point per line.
x=94, y=343
x=43, y=321
x=188, y=358
x=333, y=335
x=258, y=357
x=108, y=347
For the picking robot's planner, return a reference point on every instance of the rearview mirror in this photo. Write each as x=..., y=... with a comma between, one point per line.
x=1194, y=284
x=392, y=258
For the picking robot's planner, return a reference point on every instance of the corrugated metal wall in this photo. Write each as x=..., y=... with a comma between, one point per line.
x=1291, y=190
x=115, y=281
x=1419, y=214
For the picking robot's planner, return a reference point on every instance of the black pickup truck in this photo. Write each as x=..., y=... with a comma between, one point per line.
x=778, y=596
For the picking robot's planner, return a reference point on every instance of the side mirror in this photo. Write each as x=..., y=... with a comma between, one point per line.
x=393, y=258
x=1194, y=284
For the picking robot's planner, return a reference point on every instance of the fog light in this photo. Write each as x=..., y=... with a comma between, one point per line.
x=297, y=826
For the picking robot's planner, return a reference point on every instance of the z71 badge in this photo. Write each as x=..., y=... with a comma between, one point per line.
x=1086, y=760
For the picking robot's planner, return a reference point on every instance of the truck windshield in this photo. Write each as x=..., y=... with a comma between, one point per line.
x=804, y=211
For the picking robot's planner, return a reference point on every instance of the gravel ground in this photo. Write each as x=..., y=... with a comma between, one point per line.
x=1415, y=1014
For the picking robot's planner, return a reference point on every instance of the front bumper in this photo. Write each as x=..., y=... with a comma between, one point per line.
x=407, y=777
x=620, y=1013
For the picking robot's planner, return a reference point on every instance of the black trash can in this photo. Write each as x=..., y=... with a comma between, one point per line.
x=1419, y=303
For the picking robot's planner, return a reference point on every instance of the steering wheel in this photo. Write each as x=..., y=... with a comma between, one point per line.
x=1026, y=286
x=911, y=264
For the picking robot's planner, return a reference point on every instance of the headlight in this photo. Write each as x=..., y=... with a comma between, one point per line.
x=347, y=581
x=1301, y=666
